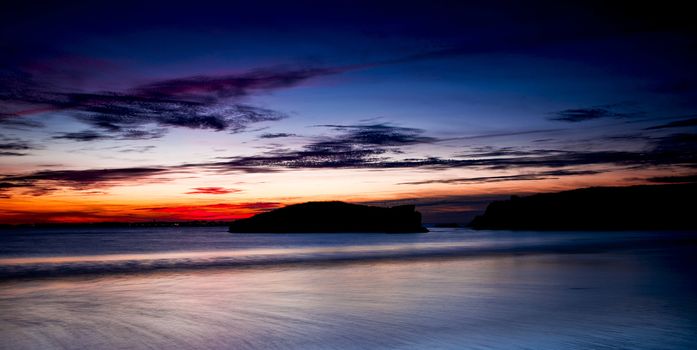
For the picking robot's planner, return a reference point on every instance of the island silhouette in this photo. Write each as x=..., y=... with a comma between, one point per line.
x=644, y=207
x=332, y=217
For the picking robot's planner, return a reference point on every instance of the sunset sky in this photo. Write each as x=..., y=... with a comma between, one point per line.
x=130, y=111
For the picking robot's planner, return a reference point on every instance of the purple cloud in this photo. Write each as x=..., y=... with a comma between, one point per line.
x=198, y=102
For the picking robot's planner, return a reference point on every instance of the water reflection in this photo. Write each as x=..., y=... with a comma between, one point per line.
x=618, y=300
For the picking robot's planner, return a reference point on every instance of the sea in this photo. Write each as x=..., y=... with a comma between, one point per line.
x=451, y=288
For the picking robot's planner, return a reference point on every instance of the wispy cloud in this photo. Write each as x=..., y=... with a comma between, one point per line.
x=276, y=135
x=379, y=146
x=42, y=182
x=554, y=174
x=204, y=88
x=354, y=146
x=576, y=115
x=82, y=136
x=674, y=179
x=212, y=190
x=355, y=150
x=504, y=134
x=198, y=102
x=11, y=154
x=12, y=121
x=376, y=135
x=14, y=147
x=491, y=152
x=128, y=134
x=675, y=124
x=137, y=149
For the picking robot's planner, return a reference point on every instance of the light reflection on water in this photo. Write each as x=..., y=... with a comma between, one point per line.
x=353, y=249
x=641, y=298
x=30, y=254
x=536, y=302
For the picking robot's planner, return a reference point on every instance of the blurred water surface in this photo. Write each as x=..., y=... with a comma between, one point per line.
x=203, y=288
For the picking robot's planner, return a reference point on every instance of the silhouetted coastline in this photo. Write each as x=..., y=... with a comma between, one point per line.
x=333, y=217
x=118, y=224
x=646, y=207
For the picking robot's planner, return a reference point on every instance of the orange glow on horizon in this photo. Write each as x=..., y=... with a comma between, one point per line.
x=170, y=202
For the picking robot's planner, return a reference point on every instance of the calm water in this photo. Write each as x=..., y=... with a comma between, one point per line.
x=202, y=288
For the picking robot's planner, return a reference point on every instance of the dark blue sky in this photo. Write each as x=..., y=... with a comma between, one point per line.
x=446, y=98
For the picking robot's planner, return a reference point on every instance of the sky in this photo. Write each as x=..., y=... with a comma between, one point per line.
x=167, y=111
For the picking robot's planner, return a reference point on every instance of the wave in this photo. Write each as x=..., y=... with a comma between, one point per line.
x=130, y=263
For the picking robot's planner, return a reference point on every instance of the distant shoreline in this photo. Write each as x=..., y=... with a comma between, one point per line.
x=120, y=224
x=163, y=224
x=641, y=207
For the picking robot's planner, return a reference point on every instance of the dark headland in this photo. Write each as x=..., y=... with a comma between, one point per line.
x=333, y=217
x=650, y=207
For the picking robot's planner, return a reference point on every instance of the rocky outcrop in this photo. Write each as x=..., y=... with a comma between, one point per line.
x=656, y=207
x=332, y=217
